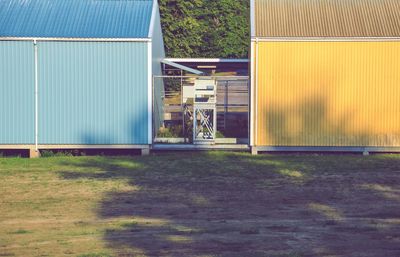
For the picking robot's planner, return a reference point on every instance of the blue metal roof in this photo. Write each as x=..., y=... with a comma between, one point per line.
x=75, y=18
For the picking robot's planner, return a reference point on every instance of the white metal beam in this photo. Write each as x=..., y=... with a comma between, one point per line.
x=207, y=60
x=153, y=18
x=37, y=39
x=252, y=18
x=35, y=46
x=251, y=97
x=150, y=91
x=322, y=39
x=182, y=67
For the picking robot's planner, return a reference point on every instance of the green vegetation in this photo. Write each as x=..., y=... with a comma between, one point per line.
x=200, y=204
x=206, y=28
x=48, y=153
x=21, y=231
x=170, y=132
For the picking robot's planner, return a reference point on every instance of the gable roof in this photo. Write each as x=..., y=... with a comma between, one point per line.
x=326, y=18
x=75, y=18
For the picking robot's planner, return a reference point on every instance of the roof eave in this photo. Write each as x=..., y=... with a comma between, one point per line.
x=256, y=38
x=75, y=39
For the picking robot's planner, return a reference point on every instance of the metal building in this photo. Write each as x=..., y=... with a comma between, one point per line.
x=325, y=75
x=78, y=73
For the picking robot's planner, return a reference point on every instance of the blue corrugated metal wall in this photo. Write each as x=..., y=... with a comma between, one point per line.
x=17, y=115
x=93, y=93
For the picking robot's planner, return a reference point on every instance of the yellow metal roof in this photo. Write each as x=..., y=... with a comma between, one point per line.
x=326, y=18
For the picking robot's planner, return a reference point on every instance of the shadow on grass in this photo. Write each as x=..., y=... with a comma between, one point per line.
x=233, y=204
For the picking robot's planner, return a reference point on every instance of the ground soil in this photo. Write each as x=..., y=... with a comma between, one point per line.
x=230, y=204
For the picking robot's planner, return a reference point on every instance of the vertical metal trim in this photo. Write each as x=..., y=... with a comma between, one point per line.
x=36, y=94
x=153, y=132
x=256, y=93
x=252, y=18
x=252, y=116
x=215, y=125
x=251, y=95
x=182, y=108
x=226, y=102
x=253, y=92
x=153, y=18
x=194, y=124
x=150, y=92
x=249, y=119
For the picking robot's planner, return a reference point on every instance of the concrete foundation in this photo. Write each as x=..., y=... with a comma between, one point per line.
x=33, y=153
x=145, y=151
x=254, y=151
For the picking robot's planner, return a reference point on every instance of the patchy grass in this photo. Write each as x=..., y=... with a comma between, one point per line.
x=201, y=204
x=21, y=231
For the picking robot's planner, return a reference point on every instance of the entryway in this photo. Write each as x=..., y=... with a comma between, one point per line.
x=201, y=112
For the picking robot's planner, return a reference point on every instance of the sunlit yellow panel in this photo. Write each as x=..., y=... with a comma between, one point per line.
x=328, y=94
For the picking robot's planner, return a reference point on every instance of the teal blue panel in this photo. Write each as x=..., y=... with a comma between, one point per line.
x=93, y=93
x=17, y=99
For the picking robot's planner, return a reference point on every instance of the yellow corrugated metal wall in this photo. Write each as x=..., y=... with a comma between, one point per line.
x=328, y=94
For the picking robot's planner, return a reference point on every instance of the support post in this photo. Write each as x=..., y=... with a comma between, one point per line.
x=145, y=151
x=183, y=109
x=254, y=150
x=226, y=104
x=33, y=153
x=36, y=95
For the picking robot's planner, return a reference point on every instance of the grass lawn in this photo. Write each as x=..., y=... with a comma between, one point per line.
x=201, y=204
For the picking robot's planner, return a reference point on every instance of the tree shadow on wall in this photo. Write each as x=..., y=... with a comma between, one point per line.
x=312, y=123
x=133, y=132
x=234, y=204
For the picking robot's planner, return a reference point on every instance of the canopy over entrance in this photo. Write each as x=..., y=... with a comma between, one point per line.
x=182, y=67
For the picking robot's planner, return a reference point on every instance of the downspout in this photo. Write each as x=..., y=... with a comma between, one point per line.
x=36, y=94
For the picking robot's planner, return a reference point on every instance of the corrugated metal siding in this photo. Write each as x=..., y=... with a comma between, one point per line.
x=75, y=18
x=327, y=18
x=93, y=93
x=328, y=94
x=16, y=93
